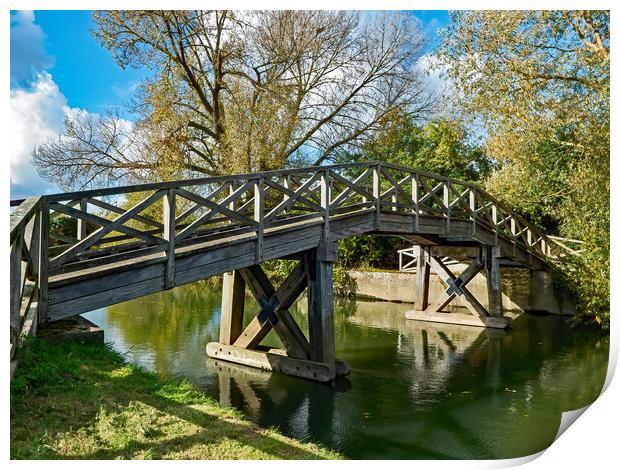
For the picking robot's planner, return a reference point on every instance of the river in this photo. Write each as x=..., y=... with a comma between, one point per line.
x=417, y=390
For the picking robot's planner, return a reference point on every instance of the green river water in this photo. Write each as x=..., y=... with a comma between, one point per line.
x=417, y=390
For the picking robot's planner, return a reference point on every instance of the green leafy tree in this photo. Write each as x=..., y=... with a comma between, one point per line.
x=440, y=146
x=537, y=82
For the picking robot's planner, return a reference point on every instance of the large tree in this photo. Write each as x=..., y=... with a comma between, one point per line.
x=440, y=146
x=241, y=91
x=537, y=82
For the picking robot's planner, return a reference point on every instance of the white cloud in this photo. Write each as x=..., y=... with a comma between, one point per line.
x=35, y=115
x=28, y=56
x=438, y=83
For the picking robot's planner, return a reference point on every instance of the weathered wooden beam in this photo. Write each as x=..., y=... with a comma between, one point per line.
x=467, y=275
x=118, y=210
x=493, y=276
x=259, y=217
x=214, y=209
x=169, y=218
x=460, y=319
x=320, y=304
x=351, y=186
x=43, y=273
x=15, y=286
x=466, y=297
x=23, y=213
x=455, y=252
x=110, y=226
x=325, y=202
x=376, y=192
x=81, y=223
x=272, y=362
x=274, y=311
x=422, y=282
x=233, y=303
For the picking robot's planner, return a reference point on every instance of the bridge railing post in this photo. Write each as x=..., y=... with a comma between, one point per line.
x=231, y=190
x=43, y=261
x=494, y=218
x=376, y=192
x=259, y=215
x=81, y=223
x=446, y=203
x=472, y=208
x=415, y=196
x=169, y=217
x=325, y=202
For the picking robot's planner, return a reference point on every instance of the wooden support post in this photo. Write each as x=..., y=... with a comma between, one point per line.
x=169, y=201
x=456, y=286
x=315, y=359
x=422, y=280
x=493, y=275
x=321, y=306
x=233, y=303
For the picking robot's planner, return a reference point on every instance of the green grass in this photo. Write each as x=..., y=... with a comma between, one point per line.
x=74, y=401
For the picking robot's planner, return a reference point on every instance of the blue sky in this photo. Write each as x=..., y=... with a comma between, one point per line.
x=57, y=66
x=84, y=71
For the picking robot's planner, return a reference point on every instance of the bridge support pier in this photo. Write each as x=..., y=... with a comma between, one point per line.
x=485, y=259
x=312, y=359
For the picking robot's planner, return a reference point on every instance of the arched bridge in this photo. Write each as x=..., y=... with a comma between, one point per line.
x=75, y=252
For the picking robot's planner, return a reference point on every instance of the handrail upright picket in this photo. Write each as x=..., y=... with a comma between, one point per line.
x=43, y=261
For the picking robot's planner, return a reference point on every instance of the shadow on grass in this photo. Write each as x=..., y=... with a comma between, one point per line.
x=68, y=392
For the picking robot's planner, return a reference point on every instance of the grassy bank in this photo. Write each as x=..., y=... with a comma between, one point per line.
x=73, y=401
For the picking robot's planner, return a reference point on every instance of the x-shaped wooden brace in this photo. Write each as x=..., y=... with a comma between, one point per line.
x=274, y=311
x=456, y=287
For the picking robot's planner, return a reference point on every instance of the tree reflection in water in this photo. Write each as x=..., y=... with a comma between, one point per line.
x=417, y=390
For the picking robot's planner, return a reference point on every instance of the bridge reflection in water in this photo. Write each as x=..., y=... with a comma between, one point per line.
x=419, y=390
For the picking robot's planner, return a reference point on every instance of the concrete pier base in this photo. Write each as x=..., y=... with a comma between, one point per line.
x=75, y=328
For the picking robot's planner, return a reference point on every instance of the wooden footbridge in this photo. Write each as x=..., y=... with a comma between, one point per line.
x=75, y=252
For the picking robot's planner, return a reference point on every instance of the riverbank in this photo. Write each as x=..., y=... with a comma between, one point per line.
x=77, y=401
x=522, y=290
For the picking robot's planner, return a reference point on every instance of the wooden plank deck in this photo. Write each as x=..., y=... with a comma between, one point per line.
x=79, y=291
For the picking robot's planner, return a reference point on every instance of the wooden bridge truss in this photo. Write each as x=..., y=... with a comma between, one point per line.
x=76, y=252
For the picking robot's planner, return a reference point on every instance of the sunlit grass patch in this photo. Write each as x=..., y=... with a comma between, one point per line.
x=72, y=401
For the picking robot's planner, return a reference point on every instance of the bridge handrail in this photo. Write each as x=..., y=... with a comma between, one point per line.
x=244, y=205
x=25, y=265
x=116, y=190
x=480, y=193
